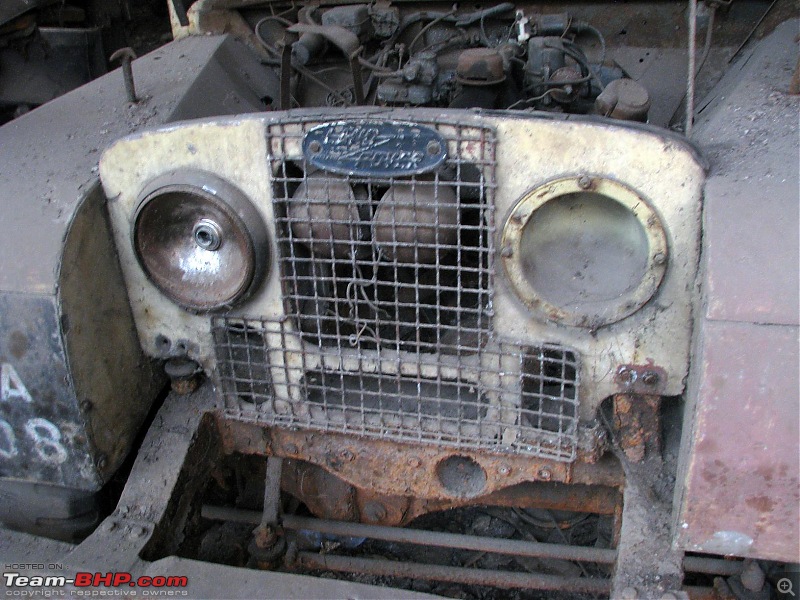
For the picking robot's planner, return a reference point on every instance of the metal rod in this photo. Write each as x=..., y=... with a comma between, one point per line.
x=272, y=492
x=692, y=564
x=286, y=75
x=358, y=82
x=712, y=566
x=691, y=69
x=126, y=55
x=424, y=538
x=707, y=43
x=487, y=577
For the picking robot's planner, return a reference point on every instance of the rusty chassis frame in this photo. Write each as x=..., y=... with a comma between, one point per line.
x=189, y=436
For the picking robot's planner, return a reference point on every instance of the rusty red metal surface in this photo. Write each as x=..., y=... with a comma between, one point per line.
x=742, y=494
x=637, y=420
x=356, y=479
x=389, y=467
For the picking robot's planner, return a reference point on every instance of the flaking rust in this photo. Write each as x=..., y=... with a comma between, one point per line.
x=637, y=420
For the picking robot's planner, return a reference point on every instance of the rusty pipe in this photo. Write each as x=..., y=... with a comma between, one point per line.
x=424, y=538
x=691, y=564
x=462, y=575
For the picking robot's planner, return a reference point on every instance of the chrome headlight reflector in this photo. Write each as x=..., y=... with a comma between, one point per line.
x=200, y=241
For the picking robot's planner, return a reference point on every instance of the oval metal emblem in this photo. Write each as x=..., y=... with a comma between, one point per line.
x=374, y=148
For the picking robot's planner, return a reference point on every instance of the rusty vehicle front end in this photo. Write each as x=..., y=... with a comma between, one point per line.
x=441, y=297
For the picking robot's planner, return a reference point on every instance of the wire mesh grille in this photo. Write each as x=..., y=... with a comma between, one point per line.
x=388, y=285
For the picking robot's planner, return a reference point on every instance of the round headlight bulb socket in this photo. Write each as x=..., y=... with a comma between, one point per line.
x=585, y=251
x=200, y=240
x=207, y=235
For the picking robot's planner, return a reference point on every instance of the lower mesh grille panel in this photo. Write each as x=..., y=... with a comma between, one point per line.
x=503, y=397
x=388, y=285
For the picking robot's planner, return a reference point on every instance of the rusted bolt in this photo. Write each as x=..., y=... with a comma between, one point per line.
x=650, y=378
x=516, y=218
x=265, y=536
x=545, y=474
x=626, y=376
x=414, y=462
x=184, y=375
x=315, y=147
x=507, y=252
x=584, y=182
x=504, y=470
x=347, y=455
x=374, y=512
x=138, y=532
x=659, y=258
x=291, y=449
x=126, y=55
x=433, y=148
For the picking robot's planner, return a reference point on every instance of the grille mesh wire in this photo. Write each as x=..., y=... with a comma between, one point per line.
x=388, y=284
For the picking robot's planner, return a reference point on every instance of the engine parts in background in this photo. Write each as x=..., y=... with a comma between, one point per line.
x=495, y=58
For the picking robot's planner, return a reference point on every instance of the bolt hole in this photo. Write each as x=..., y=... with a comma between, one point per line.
x=163, y=343
x=461, y=476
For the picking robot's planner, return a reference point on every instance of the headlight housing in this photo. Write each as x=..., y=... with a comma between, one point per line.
x=584, y=251
x=200, y=241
